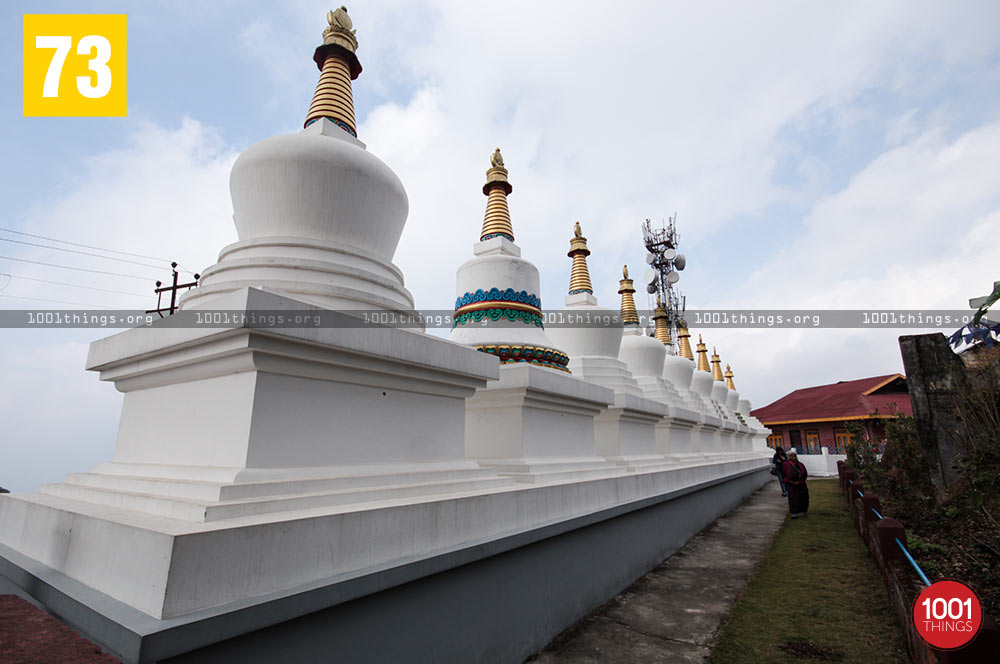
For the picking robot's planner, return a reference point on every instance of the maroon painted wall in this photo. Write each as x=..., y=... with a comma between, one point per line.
x=827, y=438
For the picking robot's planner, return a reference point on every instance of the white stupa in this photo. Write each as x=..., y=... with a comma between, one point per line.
x=720, y=392
x=642, y=355
x=678, y=439
x=238, y=448
x=497, y=309
x=537, y=422
x=592, y=336
x=303, y=205
x=593, y=343
x=744, y=435
x=720, y=396
x=733, y=396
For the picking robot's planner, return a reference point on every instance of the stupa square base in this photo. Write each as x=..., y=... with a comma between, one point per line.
x=537, y=424
x=626, y=432
x=273, y=397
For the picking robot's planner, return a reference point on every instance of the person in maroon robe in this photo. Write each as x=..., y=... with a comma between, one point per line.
x=795, y=474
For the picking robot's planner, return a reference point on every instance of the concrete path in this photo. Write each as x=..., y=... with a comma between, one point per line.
x=673, y=614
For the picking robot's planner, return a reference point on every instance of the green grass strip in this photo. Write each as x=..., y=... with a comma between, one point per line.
x=815, y=597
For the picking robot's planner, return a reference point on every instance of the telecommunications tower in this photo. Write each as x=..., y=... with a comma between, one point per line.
x=665, y=264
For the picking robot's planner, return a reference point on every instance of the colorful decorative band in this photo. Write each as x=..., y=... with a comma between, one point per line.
x=545, y=357
x=346, y=127
x=497, y=295
x=490, y=236
x=496, y=313
x=581, y=290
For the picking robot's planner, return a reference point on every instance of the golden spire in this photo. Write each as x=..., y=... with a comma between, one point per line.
x=629, y=315
x=497, y=221
x=682, y=338
x=339, y=65
x=662, y=330
x=729, y=379
x=702, y=356
x=579, y=278
x=716, y=365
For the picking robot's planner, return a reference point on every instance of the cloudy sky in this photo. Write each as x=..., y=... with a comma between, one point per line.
x=820, y=155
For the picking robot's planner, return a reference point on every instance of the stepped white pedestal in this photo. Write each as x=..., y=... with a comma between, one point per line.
x=231, y=439
x=626, y=431
x=537, y=425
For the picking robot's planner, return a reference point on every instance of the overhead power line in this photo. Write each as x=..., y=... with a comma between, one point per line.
x=90, y=246
x=77, y=251
x=66, y=283
x=78, y=304
x=79, y=269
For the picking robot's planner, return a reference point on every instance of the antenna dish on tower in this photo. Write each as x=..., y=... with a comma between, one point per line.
x=662, y=243
x=650, y=277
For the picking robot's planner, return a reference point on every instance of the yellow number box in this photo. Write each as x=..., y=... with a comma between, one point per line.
x=74, y=65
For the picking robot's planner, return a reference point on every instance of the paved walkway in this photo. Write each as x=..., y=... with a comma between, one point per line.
x=673, y=614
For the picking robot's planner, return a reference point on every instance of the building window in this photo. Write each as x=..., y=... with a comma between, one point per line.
x=774, y=441
x=812, y=441
x=843, y=439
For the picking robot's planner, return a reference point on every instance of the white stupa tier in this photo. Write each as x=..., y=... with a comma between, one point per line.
x=592, y=336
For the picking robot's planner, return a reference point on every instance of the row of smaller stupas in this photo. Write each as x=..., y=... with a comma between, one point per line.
x=497, y=308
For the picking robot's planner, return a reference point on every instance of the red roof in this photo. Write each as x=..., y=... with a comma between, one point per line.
x=847, y=400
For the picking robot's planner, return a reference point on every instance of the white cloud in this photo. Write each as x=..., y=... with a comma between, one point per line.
x=914, y=230
x=164, y=194
x=57, y=417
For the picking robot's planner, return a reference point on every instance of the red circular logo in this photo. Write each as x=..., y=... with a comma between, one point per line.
x=947, y=614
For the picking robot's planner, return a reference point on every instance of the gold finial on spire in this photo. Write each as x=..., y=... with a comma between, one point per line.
x=628, y=313
x=579, y=278
x=716, y=365
x=662, y=329
x=339, y=65
x=340, y=23
x=497, y=221
x=703, y=356
x=682, y=339
x=729, y=378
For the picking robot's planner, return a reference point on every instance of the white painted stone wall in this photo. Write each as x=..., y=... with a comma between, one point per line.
x=822, y=465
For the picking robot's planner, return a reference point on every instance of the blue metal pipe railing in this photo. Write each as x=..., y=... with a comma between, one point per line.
x=920, y=572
